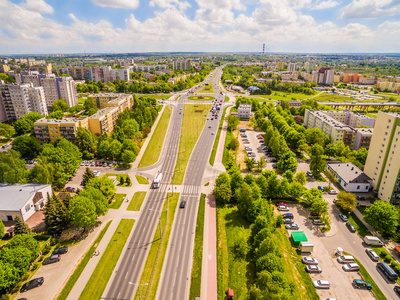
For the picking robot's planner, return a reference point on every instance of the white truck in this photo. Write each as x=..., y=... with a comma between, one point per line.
x=372, y=241
x=157, y=180
x=306, y=247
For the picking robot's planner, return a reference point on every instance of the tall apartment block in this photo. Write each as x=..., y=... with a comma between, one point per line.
x=59, y=87
x=383, y=161
x=339, y=125
x=324, y=76
x=181, y=64
x=292, y=67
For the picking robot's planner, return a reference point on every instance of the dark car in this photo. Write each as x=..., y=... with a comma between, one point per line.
x=52, y=259
x=182, y=205
x=275, y=166
x=61, y=250
x=32, y=284
x=361, y=284
x=321, y=188
x=396, y=289
x=274, y=160
x=350, y=227
x=361, y=198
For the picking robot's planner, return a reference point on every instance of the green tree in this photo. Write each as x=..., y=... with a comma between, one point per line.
x=128, y=156
x=311, y=195
x=130, y=128
x=234, y=143
x=222, y=193
x=86, y=141
x=12, y=168
x=288, y=175
x=317, y=164
x=89, y=104
x=20, y=226
x=128, y=181
x=121, y=180
x=6, y=130
x=59, y=104
x=301, y=177
x=361, y=155
x=233, y=122
x=383, y=216
x=87, y=176
x=2, y=229
x=250, y=162
x=104, y=184
x=319, y=206
x=97, y=198
x=23, y=126
x=83, y=212
x=27, y=146
x=56, y=215
x=346, y=201
x=58, y=114
x=240, y=243
x=261, y=163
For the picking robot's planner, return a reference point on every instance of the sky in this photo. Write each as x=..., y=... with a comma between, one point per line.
x=127, y=26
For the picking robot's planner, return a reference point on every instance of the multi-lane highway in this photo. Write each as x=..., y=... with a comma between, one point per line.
x=130, y=264
x=175, y=277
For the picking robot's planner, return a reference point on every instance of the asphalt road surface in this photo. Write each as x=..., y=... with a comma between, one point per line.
x=130, y=265
x=175, y=277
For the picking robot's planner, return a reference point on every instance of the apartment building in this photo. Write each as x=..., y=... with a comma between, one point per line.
x=181, y=64
x=47, y=130
x=292, y=67
x=4, y=68
x=295, y=104
x=104, y=100
x=383, y=163
x=42, y=69
x=363, y=138
x=59, y=87
x=350, y=118
x=244, y=111
x=280, y=65
x=324, y=76
x=389, y=85
x=104, y=120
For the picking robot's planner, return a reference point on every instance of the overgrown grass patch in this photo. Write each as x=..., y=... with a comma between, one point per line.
x=118, y=178
x=358, y=225
x=78, y=271
x=216, y=141
x=141, y=179
x=195, y=283
x=100, y=276
x=136, y=201
x=117, y=200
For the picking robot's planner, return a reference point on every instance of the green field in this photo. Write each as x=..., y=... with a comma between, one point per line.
x=155, y=259
x=141, y=179
x=100, y=276
x=206, y=89
x=260, y=99
x=285, y=96
x=226, y=99
x=192, y=125
x=125, y=176
x=136, y=201
x=117, y=201
x=201, y=98
x=153, y=149
x=78, y=271
x=216, y=142
x=195, y=283
x=163, y=96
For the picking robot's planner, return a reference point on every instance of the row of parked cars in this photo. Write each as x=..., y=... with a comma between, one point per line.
x=98, y=163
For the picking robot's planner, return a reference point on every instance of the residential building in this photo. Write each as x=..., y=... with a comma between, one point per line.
x=296, y=104
x=148, y=68
x=308, y=67
x=363, y=138
x=104, y=120
x=280, y=65
x=181, y=64
x=383, y=163
x=4, y=68
x=350, y=177
x=244, y=111
x=42, y=69
x=292, y=67
x=112, y=99
x=48, y=130
x=350, y=118
x=59, y=87
x=22, y=200
x=37, y=100
x=325, y=76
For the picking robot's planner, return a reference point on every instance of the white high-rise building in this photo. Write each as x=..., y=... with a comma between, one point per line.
x=67, y=90
x=59, y=87
x=37, y=99
x=19, y=95
x=292, y=67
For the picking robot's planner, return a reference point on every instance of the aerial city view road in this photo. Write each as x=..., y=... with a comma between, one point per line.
x=199, y=150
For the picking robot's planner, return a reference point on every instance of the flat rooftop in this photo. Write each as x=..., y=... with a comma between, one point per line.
x=349, y=172
x=14, y=196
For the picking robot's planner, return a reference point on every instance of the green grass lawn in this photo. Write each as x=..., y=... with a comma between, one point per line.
x=284, y=96
x=255, y=97
x=215, y=146
x=163, y=96
x=81, y=101
x=206, y=89
x=359, y=226
x=192, y=125
x=201, y=98
x=117, y=201
x=155, y=259
x=141, y=179
x=195, y=283
x=153, y=150
x=136, y=202
x=226, y=99
x=99, y=279
x=78, y=271
x=125, y=176
x=325, y=97
x=362, y=209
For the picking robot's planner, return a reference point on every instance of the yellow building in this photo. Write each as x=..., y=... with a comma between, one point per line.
x=383, y=161
x=4, y=68
x=103, y=100
x=280, y=65
x=104, y=120
x=47, y=130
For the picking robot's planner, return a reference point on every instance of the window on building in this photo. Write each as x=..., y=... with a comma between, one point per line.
x=27, y=207
x=358, y=187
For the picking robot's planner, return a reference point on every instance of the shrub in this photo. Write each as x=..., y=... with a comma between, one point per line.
x=382, y=255
x=387, y=259
x=397, y=269
x=279, y=221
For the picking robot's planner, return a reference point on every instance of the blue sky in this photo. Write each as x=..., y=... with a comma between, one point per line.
x=317, y=26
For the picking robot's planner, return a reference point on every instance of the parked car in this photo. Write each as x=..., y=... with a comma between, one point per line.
x=283, y=208
x=309, y=260
x=318, y=222
x=87, y=163
x=70, y=189
x=275, y=166
x=110, y=165
x=274, y=160
x=351, y=267
x=335, y=200
x=332, y=192
x=251, y=154
x=351, y=227
x=212, y=133
x=321, y=188
x=343, y=217
x=361, y=284
x=61, y=250
x=52, y=259
x=372, y=254
x=92, y=164
x=247, y=148
x=32, y=284
x=83, y=163
x=321, y=284
x=309, y=173
x=105, y=164
x=361, y=198
x=287, y=221
x=260, y=137
x=281, y=203
x=396, y=290
x=345, y=259
x=292, y=226
x=313, y=269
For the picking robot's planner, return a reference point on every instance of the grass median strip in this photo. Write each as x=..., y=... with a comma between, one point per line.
x=117, y=201
x=136, y=202
x=194, y=118
x=154, y=147
x=78, y=271
x=141, y=179
x=195, y=283
x=155, y=259
x=215, y=146
x=99, y=279
x=359, y=226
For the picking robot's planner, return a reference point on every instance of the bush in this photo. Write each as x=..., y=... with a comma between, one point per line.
x=397, y=269
x=382, y=255
x=387, y=259
x=279, y=221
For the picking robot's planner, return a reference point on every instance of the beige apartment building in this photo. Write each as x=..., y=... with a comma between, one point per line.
x=47, y=130
x=103, y=100
x=383, y=161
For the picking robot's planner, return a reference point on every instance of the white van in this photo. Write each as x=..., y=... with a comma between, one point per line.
x=372, y=241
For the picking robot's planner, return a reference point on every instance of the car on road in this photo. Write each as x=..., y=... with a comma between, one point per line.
x=70, y=189
x=351, y=227
x=321, y=284
x=274, y=160
x=260, y=137
x=110, y=165
x=31, y=284
x=372, y=254
x=283, y=208
x=313, y=269
x=93, y=163
x=83, y=163
x=332, y=192
x=309, y=173
x=87, y=163
x=343, y=217
x=182, y=205
x=321, y=188
x=246, y=142
x=209, y=126
x=335, y=200
x=98, y=164
x=396, y=290
x=292, y=227
x=287, y=221
x=308, y=260
x=351, y=267
x=362, y=284
x=318, y=222
x=52, y=259
x=61, y=250
x=212, y=133
x=105, y=164
x=345, y=259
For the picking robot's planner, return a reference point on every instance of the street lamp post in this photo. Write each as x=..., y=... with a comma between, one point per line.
x=138, y=285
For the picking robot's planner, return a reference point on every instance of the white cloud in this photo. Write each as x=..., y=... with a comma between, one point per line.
x=130, y=4
x=371, y=9
x=221, y=4
x=324, y=4
x=170, y=4
x=39, y=6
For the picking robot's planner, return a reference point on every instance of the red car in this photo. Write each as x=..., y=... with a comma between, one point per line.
x=260, y=138
x=281, y=204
